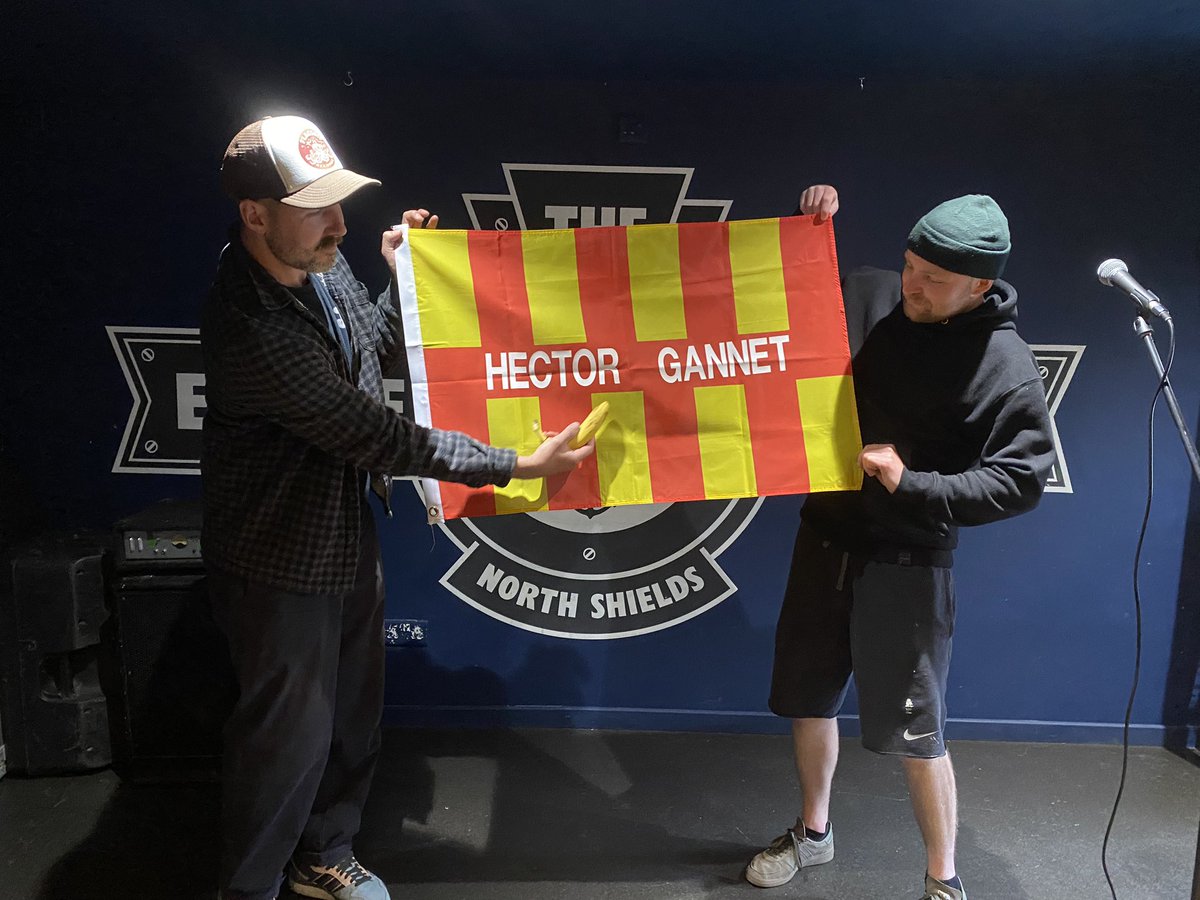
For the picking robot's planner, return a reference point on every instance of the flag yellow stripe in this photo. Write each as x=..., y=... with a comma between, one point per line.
x=726, y=457
x=622, y=453
x=831, y=436
x=654, y=282
x=552, y=285
x=757, y=263
x=445, y=291
x=516, y=422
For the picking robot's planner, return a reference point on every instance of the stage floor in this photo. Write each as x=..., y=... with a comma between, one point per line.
x=533, y=814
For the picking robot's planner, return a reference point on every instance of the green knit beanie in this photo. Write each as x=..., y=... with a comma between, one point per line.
x=967, y=235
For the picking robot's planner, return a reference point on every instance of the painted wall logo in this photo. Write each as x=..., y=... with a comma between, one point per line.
x=549, y=196
x=1057, y=364
x=165, y=372
x=164, y=368
x=615, y=571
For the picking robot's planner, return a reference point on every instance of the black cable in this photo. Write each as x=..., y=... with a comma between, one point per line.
x=1137, y=605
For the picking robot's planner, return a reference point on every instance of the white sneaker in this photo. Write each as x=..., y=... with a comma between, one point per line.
x=787, y=855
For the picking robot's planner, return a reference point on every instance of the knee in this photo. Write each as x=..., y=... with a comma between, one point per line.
x=926, y=766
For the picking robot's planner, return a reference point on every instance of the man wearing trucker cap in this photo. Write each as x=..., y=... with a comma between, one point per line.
x=296, y=437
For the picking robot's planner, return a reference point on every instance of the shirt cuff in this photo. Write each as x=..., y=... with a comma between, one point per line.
x=501, y=462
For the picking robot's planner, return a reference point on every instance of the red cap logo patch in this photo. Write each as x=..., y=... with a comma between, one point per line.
x=314, y=150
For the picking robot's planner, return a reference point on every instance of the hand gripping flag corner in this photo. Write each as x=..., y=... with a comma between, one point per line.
x=719, y=347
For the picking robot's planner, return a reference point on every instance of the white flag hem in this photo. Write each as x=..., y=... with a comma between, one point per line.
x=431, y=489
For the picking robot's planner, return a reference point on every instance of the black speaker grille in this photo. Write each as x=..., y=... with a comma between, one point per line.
x=178, y=683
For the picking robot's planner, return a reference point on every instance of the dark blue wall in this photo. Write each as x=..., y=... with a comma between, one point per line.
x=117, y=220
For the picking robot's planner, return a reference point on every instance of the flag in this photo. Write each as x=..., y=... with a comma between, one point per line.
x=719, y=347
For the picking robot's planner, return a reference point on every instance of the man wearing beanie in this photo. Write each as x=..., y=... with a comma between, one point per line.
x=295, y=439
x=956, y=432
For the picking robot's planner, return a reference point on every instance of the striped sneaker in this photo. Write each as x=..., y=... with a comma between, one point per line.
x=345, y=880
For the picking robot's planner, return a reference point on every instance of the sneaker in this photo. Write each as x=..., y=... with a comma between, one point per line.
x=935, y=890
x=346, y=880
x=787, y=855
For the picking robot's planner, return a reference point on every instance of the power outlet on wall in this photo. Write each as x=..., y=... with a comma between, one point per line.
x=405, y=632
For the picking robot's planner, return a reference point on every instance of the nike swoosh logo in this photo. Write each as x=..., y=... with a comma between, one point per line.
x=917, y=737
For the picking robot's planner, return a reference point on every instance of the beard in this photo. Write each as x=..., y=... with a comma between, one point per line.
x=917, y=312
x=320, y=258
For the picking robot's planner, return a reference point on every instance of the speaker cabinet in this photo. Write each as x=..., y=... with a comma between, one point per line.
x=51, y=611
x=176, y=685
x=173, y=686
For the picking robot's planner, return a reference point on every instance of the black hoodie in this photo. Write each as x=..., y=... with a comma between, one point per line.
x=965, y=407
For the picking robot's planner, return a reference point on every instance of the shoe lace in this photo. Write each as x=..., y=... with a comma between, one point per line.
x=787, y=844
x=349, y=870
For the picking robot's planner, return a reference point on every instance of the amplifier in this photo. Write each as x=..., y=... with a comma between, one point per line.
x=166, y=534
x=174, y=685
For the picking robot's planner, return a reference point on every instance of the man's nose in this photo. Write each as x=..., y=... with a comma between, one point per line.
x=335, y=222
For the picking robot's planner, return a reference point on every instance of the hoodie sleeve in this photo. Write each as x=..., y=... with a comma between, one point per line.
x=1012, y=470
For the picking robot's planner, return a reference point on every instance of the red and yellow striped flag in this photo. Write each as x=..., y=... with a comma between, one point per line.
x=719, y=347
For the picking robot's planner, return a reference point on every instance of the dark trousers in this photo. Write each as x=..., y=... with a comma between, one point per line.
x=301, y=745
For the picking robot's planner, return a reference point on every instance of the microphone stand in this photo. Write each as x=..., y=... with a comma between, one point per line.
x=1143, y=329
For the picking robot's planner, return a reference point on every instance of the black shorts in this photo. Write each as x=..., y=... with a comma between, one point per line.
x=890, y=624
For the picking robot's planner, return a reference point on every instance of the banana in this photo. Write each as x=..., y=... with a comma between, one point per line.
x=591, y=425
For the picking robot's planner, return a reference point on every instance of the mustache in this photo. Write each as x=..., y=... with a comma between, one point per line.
x=330, y=242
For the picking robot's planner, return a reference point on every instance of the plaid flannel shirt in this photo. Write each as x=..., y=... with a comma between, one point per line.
x=291, y=428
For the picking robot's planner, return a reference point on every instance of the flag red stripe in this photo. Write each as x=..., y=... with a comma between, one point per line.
x=814, y=295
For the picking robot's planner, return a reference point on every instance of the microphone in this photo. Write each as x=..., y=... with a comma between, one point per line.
x=1115, y=273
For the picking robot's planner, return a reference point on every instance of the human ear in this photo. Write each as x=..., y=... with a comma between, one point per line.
x=253, y=215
